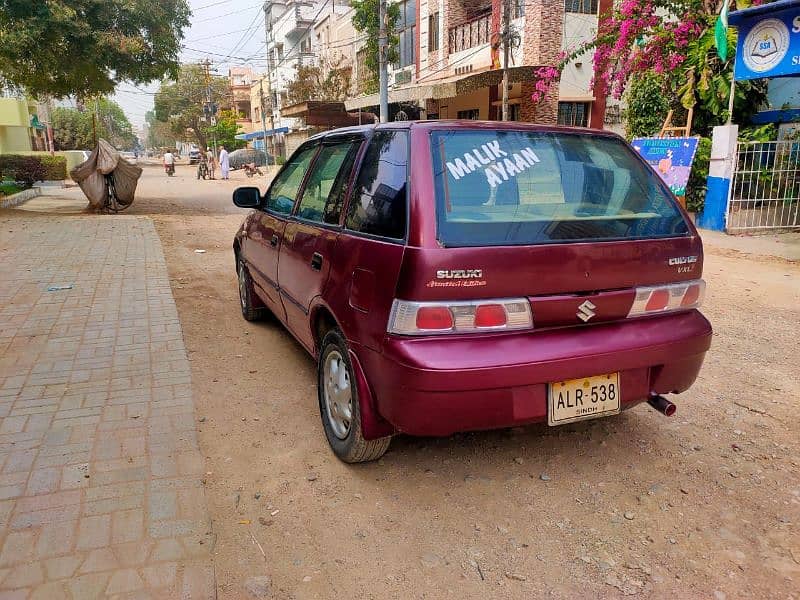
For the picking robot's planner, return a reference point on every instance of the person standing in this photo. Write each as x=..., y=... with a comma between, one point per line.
x=212, y=164
x=224, y=165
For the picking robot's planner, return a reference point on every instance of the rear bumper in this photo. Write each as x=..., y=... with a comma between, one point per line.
x=437, y=386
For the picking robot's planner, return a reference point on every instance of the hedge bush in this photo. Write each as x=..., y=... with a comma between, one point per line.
x=56, y=167
x=30, y=169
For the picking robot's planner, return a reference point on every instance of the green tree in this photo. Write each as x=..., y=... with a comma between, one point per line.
x=647, y=105
x=330, y=83
x=85, y=47
x=73, y=130
x=366, y=20
x=159, y=134
x=180, y=102
x=225, y=130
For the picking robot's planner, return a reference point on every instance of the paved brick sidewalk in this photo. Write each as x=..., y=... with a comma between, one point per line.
x=100, y=485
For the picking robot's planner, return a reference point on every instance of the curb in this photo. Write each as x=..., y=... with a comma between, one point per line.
x=20, y=197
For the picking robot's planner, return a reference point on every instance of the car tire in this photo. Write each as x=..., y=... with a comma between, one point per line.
x=247, y=299
x=335, y=387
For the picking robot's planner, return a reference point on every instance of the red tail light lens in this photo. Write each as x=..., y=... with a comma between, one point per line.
x=426, y=318
x=668, y=298
x=434, y=318
x=692, y=295
x=490, y=315
x=659, y=299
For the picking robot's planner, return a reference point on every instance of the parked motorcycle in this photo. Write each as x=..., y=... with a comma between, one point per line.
x=251, y=169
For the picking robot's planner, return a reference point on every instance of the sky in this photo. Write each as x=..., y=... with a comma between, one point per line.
x=225, y=31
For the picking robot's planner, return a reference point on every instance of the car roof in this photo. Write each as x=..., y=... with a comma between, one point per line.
x=465, y=124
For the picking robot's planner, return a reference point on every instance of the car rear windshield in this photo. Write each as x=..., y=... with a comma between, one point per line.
x=529, y=187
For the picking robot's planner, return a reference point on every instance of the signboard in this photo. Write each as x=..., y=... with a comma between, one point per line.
x=769, y=41
x=671, y=158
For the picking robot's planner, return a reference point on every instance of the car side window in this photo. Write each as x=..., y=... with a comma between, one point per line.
x=326, y=187
x=284, y=188
x=378, y=203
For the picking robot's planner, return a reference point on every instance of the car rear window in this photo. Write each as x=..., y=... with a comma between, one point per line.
x=528, y=187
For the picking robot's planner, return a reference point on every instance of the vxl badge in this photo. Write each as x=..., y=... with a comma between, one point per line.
x=765, y=45
x=586, y=311
x=685, y=264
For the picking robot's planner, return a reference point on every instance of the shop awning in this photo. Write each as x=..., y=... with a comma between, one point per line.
x=257, y=135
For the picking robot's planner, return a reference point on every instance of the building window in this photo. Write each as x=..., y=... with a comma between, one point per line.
x=433, y=32
x=406, y=31
x=513, y=112
x=472, y=114
x=586, y=7
x=519, y=8
x=575, y=114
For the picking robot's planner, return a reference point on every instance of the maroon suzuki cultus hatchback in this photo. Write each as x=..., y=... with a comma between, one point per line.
x=453, y=276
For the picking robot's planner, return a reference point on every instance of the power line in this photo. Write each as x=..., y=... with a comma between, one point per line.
x=218, y=35
x=212, y=4
x=227, y=14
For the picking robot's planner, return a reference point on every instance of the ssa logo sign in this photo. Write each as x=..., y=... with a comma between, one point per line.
x=765, y=45
x=769, y=40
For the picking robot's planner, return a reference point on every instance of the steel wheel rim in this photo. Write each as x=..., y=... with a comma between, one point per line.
x=338, y=394
x=242, y=286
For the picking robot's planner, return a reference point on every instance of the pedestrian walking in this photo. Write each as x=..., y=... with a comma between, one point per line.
x=212, y=164
x=224, y=165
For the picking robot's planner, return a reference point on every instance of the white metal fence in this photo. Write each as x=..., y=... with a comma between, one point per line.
x=765, y=191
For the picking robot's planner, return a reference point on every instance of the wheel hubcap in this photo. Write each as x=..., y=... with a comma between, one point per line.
x=242, y=286
x=338, y=394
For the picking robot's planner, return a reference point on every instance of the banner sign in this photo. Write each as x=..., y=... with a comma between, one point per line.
x=671, y=158
x=769, y=41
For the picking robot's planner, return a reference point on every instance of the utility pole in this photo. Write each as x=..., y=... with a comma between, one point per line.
x=383, y=49
x=268, y=105
x=210, y=112
x=506, y=27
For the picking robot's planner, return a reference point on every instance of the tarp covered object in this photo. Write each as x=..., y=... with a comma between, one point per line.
x=90, y=176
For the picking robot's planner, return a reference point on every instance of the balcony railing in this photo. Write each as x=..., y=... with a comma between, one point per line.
x=470, y=34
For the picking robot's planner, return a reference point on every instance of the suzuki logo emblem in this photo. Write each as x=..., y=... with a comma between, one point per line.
x=586, y=311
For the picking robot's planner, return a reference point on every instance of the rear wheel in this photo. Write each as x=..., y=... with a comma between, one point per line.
x=247, y=299
x=339, y=404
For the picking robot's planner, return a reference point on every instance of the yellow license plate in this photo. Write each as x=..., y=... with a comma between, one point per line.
x=584, y=398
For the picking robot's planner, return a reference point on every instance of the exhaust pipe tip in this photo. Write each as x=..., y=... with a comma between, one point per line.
x=662, y=405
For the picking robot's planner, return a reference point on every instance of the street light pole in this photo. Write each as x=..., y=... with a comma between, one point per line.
x=383, y=78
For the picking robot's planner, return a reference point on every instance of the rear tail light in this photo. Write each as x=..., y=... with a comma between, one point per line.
x=434, y=318
x=425, y=318
x=668, y=298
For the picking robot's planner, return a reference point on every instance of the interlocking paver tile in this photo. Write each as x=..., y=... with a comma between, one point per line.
x=99, y=488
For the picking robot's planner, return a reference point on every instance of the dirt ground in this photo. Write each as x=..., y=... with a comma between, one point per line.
x=705, y=504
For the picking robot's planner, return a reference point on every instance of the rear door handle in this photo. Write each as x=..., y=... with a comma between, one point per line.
x=274, y=241
x=316, y=261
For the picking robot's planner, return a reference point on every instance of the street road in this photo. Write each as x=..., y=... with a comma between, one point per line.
x=703, y=505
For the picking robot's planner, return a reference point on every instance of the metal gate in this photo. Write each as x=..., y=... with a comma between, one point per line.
x=765, y=191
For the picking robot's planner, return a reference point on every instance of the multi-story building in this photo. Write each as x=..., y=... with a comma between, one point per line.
x=450, y=61
x=241, y=78
x=20, y=127
x=289, y=43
